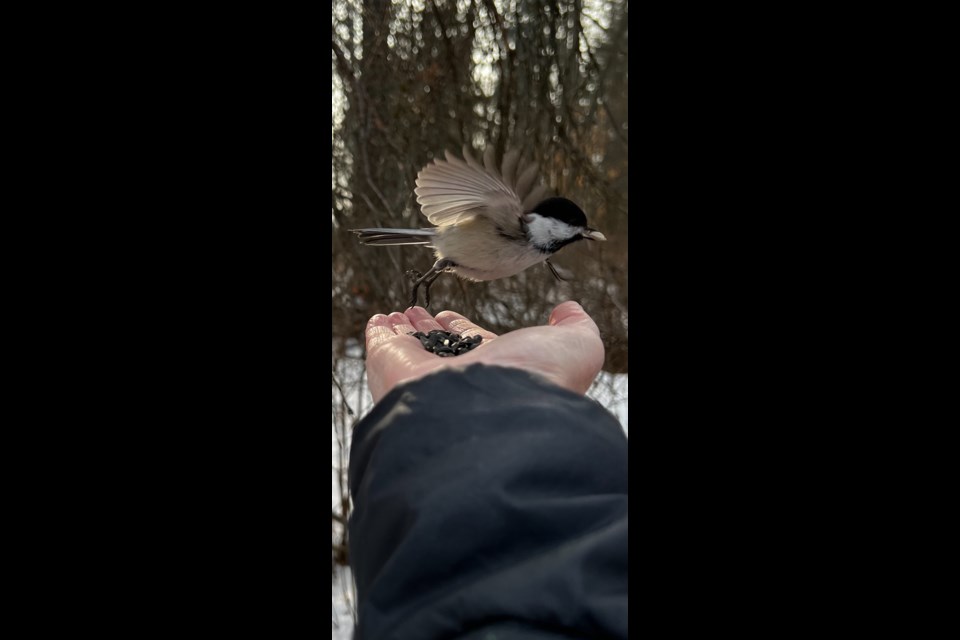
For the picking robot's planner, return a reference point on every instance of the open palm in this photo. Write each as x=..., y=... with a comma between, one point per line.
x=567, y=351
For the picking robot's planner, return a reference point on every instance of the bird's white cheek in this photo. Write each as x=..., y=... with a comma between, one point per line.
x=546, y=231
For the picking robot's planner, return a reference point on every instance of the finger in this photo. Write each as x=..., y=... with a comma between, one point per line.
x=422, y=320
x=377, y=319
x=400, y=324
x=382, y=336
x=456, y=323
x=379, y=330
x=571, y=314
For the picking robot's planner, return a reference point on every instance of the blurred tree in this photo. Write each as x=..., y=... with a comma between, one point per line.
x=415, y=77
x=421, y=76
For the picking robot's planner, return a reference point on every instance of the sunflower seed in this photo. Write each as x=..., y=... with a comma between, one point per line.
x=445, y=343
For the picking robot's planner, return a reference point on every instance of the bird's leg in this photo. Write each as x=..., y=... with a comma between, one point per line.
x=426, y=290
x=553, y=270
x=428, y=278
x=417, y=278
x=420, y=280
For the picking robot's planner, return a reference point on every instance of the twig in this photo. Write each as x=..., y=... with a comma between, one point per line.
x=343, y=396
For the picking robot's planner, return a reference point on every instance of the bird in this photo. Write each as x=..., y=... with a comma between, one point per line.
x=490, y=221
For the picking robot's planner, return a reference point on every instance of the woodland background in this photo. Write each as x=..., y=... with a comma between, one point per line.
x=412, y=78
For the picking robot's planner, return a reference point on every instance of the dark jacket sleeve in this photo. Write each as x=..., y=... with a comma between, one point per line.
x=489, y=503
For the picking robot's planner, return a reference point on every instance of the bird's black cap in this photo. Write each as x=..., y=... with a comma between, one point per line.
x=563, y=210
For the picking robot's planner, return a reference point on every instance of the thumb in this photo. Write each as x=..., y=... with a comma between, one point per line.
x=571, y=314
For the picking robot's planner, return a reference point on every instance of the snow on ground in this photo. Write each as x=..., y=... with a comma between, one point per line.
x=610, y=390
x=343, y=604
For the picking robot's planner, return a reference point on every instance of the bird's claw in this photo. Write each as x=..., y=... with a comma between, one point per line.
x=426, y=300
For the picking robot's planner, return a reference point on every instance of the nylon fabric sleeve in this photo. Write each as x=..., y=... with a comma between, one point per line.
x=489, y=499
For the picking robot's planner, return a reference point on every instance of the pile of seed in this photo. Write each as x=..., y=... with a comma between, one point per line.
x=445, y=344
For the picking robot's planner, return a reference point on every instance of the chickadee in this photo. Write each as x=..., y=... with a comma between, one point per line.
x=490, y=224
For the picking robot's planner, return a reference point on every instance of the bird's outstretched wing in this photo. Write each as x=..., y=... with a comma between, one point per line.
x=454, y=190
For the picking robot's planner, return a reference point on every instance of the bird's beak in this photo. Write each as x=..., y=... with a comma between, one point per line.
x=593, y=234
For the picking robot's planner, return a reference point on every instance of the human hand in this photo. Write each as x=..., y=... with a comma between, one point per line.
x=568, y=351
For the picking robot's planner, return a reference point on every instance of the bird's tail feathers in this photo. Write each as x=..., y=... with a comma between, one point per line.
x=386, y=237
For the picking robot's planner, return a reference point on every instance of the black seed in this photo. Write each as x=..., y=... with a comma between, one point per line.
x=446, y=343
